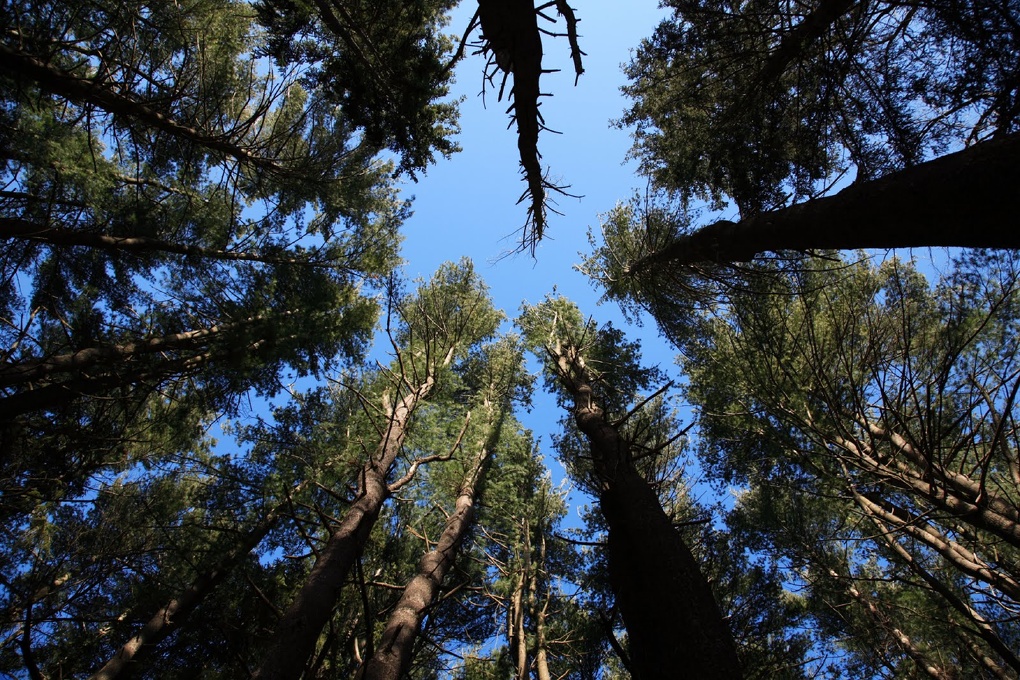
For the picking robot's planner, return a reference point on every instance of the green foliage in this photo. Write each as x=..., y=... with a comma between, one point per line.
x=770, y=103
x=184, y=225
x=837, y=402
x=387, y=64
x=556, y=326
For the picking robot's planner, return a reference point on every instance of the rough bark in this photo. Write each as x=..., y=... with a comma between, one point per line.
x=674, y=626
x=171, y=616
x=392, y=657
x=296, y=635
x=539, y=613
x=965, y=199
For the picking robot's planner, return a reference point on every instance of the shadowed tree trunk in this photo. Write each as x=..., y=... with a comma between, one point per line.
x=448, y=315
x=62, y=237
x=674, y=626
x=964, y=199
x=516, y=634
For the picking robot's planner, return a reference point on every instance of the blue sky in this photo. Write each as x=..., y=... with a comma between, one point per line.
x=467, y=206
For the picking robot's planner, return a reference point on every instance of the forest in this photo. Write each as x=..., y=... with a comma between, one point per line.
x=239, y=440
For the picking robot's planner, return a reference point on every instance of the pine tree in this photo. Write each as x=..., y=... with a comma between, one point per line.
x=865, y=412
x=668, y=608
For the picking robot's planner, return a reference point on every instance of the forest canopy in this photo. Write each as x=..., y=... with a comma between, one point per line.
x=237, y=440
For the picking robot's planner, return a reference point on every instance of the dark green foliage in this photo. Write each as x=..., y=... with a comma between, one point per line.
x=856, y=408
x=387, y=64
x=765, y=103
x=182, y=226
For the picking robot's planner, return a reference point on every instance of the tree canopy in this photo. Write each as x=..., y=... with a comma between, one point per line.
x=235, y=441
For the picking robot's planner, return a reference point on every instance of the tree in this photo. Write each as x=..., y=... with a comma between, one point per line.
x=512, y=41
x=869, y=418
x=501, y=375
x=82, y=578
x=182, y=223
x=438, y=325
x=673, y=621
x=386, y=64
x=774, y=106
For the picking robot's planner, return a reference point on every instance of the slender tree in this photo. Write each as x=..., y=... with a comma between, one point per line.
x=396, y=644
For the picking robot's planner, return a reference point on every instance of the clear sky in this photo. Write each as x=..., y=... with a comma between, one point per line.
x=467, y=206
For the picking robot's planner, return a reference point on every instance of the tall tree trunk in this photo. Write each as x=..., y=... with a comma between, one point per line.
x=674, y=626
x=979, y=626
x=171, y=616
x=958, y=495
x=965, y=199
x=515, y=625
x=298, y=631
x=805, y=33
x=539, y=612
x=32, y=370
x=392, y=657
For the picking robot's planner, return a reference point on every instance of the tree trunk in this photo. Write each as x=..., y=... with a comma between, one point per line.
x=674, y=626
x=23, y=66
x=515, y=624
x=60, y=236
x=965, y=199
x=955, y=496
x=171, y=616
x=979, y=626
x=881, y=621
x=298, y=632
x=812, y=27
x=32, y=370
x=539, y=612
x=392, y=657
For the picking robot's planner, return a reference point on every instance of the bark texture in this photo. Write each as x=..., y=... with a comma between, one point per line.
x=674, y=626
x=392, y=657
x=963, y=199
x=297, y=634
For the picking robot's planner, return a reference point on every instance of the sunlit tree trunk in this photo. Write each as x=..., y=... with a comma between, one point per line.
x=298, y=632
x=393, y=652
